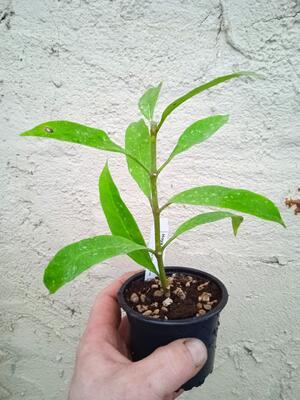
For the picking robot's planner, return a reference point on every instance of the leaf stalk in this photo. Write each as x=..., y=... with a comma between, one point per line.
x=164, y=206
x=164, y=165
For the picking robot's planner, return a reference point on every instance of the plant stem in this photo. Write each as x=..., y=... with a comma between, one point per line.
x=168, y=242
x=151, y=250
x=164, y=206
x=164, y=164
x=155, y=208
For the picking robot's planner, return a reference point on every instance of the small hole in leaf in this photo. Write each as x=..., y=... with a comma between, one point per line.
x=48, y=130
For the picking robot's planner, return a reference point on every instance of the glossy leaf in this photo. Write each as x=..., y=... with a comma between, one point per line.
x=137, y=144
x=205, y=219
x=120, y=220
x=72, y=260
x=148, y=101
x=234, y=199
x=75, y=133
x=199, y=132
x=171, y=107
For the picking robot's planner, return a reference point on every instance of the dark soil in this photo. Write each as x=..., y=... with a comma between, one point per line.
x=188, y=296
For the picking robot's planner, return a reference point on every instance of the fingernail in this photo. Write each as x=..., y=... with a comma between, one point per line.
x=197, y=350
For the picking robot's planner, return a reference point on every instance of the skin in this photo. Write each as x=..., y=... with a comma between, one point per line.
x=104, y=370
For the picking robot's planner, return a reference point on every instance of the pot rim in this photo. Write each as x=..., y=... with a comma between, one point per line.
x=191, y=320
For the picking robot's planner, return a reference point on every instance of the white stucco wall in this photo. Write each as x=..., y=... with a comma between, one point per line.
x=90, y=61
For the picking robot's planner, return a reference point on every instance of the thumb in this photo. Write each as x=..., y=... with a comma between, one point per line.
x=169, y=367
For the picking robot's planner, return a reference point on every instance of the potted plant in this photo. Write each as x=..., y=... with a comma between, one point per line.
x=178, y=301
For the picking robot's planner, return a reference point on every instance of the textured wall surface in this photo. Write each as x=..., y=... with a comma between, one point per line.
x=89, y=61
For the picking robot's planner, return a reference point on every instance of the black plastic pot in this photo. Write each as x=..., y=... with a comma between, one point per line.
x=147, y=334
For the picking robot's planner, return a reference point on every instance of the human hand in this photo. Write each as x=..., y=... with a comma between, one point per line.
x=104, y=370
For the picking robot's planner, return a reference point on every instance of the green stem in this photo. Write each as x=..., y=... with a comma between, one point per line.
x=164, y=206
x=164, y=165
x=168, y=242
x=151, y=250
x=155, y=208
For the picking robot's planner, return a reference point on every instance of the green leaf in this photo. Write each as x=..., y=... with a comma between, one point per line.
x=137, y=144
x=75, y=133
x=234, y=199
x=205, y=219
x=120, y=220
x=70, y=261
x=171, y=107
x=148, y=101
x=199, y=132
x=236, y=222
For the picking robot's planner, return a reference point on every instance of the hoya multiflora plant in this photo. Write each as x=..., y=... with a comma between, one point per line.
x=141, y=155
